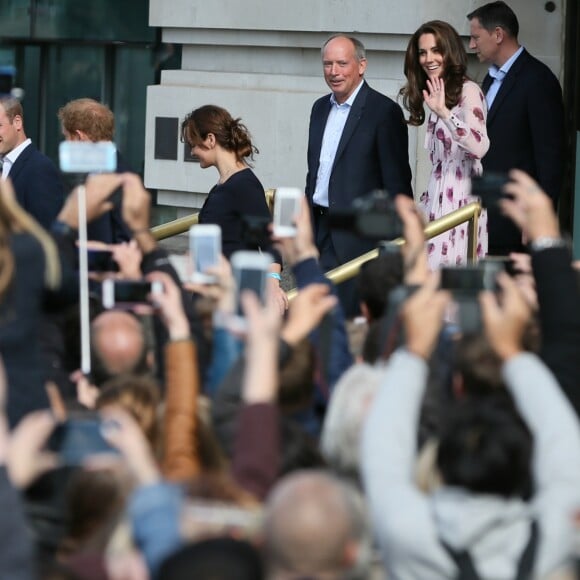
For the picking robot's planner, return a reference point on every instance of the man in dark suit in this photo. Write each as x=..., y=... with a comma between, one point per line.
x=357, y=142
x=36, y=180
x=88, y=120
x=525, y=121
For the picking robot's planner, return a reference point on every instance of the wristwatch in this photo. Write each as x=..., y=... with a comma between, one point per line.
x=546, y=242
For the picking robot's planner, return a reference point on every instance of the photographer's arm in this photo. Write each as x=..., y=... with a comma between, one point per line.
x=180, y=447
x=389, y=440
x=559, y=310
x=301, y=254
x=555, y=428
x=136, y=211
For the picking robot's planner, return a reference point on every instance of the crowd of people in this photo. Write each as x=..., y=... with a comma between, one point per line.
x=192, y=449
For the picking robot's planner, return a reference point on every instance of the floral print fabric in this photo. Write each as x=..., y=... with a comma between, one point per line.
x=456, y=146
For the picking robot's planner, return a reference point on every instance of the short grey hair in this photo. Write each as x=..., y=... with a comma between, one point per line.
x=359, y=47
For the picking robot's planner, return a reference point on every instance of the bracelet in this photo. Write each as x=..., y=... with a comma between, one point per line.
x=275, y=275
x=545, y=243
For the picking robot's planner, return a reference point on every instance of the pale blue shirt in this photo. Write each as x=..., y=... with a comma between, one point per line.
x=330, y=140
x=498, y=74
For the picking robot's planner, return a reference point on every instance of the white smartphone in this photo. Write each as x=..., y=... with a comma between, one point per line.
x=250, y=271
x=87, y=157
x=205, y=246
x=127, y=293
x=286, y=208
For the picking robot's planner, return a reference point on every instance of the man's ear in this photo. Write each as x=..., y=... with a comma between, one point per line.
x=499, y=34
x=17, y=122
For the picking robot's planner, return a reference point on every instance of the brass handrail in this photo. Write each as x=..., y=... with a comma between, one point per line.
x=468, y=213
x=175, y=227
x=181, y=225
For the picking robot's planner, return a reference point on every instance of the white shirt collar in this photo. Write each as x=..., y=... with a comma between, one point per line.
x=15, y=153
x=350, y=99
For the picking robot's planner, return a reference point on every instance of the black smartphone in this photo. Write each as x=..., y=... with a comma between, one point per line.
x=500, y=263
x=489, y=187
x=127, y=292
x=78, y=438
x=468, y=279
x=250, y=272
x=101, y=261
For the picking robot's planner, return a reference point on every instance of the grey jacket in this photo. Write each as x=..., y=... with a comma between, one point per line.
x=409, y=524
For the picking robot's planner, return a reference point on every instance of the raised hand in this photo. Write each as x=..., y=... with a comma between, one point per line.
x=505, y=320
x=529, y=207
x=170, y=306
x=423, y=317
x=27, y=456
x=434, y=97
x=414, y=253
x=307, y=310
x=98, y=189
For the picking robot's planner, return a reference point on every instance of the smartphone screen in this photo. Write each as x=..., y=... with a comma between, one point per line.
x=82, y=157
x=287, y=211
x=255, y=280
x=205, y=249
x=250, y=270
x=127, y=292
x=286, y=206
x=462, y=279
x=101, y=261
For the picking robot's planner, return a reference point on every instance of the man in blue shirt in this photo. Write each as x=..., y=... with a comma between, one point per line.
x=357, y=142
x=525, y=121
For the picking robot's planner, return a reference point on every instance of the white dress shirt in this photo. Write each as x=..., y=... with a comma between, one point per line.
x=330, y=140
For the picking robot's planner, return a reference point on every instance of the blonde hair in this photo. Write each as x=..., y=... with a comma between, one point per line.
x=13, y=219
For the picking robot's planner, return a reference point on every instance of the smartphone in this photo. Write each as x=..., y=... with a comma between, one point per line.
x=78, y=438
x=125, y=293
x=500, y=264
x=87, y=157
x=286, y=207
x=250, y=272
x=205, y=246
x=470, y=279
x=489, y=187
x=101, y=261
x=465, y=283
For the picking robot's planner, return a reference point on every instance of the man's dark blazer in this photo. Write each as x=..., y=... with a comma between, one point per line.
x=525, y=125
x=38, y=185
x=110, y=228
x=372, y=154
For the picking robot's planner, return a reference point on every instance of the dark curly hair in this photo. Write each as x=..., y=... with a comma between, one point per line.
x=454, y=55
x=229, y=133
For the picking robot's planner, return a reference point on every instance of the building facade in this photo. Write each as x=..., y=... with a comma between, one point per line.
x=261, y=61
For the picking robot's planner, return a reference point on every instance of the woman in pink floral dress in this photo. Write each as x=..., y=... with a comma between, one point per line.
x=435, y=67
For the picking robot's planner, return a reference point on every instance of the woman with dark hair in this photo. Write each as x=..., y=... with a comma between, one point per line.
x=435, y=67
x=218, y=140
